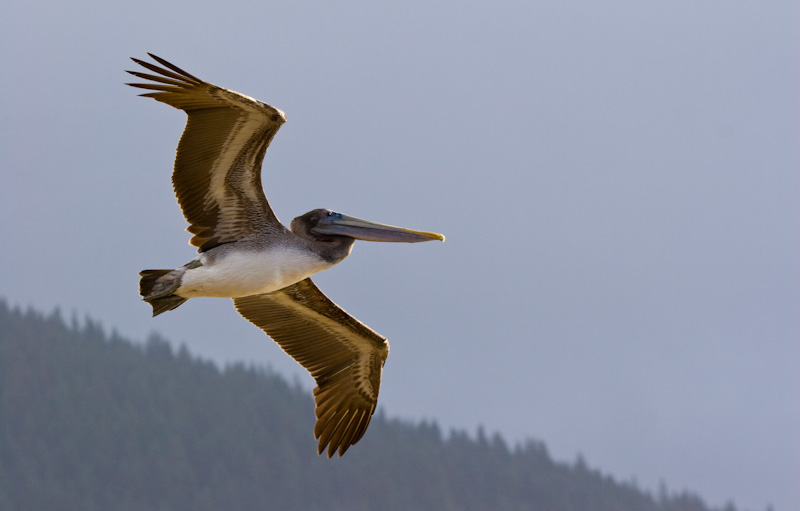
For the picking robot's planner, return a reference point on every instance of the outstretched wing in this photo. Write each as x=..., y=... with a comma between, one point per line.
x=217, y=176
x=344, y=356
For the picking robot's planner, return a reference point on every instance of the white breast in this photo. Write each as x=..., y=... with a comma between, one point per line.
x=249, y=273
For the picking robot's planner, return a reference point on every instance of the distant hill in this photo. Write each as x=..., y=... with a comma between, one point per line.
x=90, y=421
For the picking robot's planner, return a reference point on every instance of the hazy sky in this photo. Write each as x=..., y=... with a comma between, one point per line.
x=618, y=182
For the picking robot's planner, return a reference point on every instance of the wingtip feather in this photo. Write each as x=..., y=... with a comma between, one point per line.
x=173, y=67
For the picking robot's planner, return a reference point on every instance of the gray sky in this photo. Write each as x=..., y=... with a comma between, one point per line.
x=618, y=182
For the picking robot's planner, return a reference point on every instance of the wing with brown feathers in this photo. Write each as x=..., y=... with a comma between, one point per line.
x=217, y=176
x=344, y=356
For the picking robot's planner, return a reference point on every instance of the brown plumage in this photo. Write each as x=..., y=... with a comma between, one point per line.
x=320, y=336
x=248, y=255
x=219, y=155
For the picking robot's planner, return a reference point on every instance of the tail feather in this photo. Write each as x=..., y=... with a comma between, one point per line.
x=165, y=303
x=157, y=288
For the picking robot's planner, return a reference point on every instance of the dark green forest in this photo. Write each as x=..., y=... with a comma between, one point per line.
x=91, y=421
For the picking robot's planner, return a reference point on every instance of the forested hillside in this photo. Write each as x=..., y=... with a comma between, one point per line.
x=90, y=421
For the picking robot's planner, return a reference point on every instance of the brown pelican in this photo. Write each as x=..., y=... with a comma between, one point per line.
x=246, y=254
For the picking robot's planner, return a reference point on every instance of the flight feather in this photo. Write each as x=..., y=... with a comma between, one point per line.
x=344, y=356
x=217, y=174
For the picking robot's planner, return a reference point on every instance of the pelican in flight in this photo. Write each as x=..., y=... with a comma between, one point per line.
x=245, y=253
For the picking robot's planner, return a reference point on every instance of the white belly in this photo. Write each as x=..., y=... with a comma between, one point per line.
x=249, y=273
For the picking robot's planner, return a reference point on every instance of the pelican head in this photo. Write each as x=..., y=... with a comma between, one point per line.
x=324, y=223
